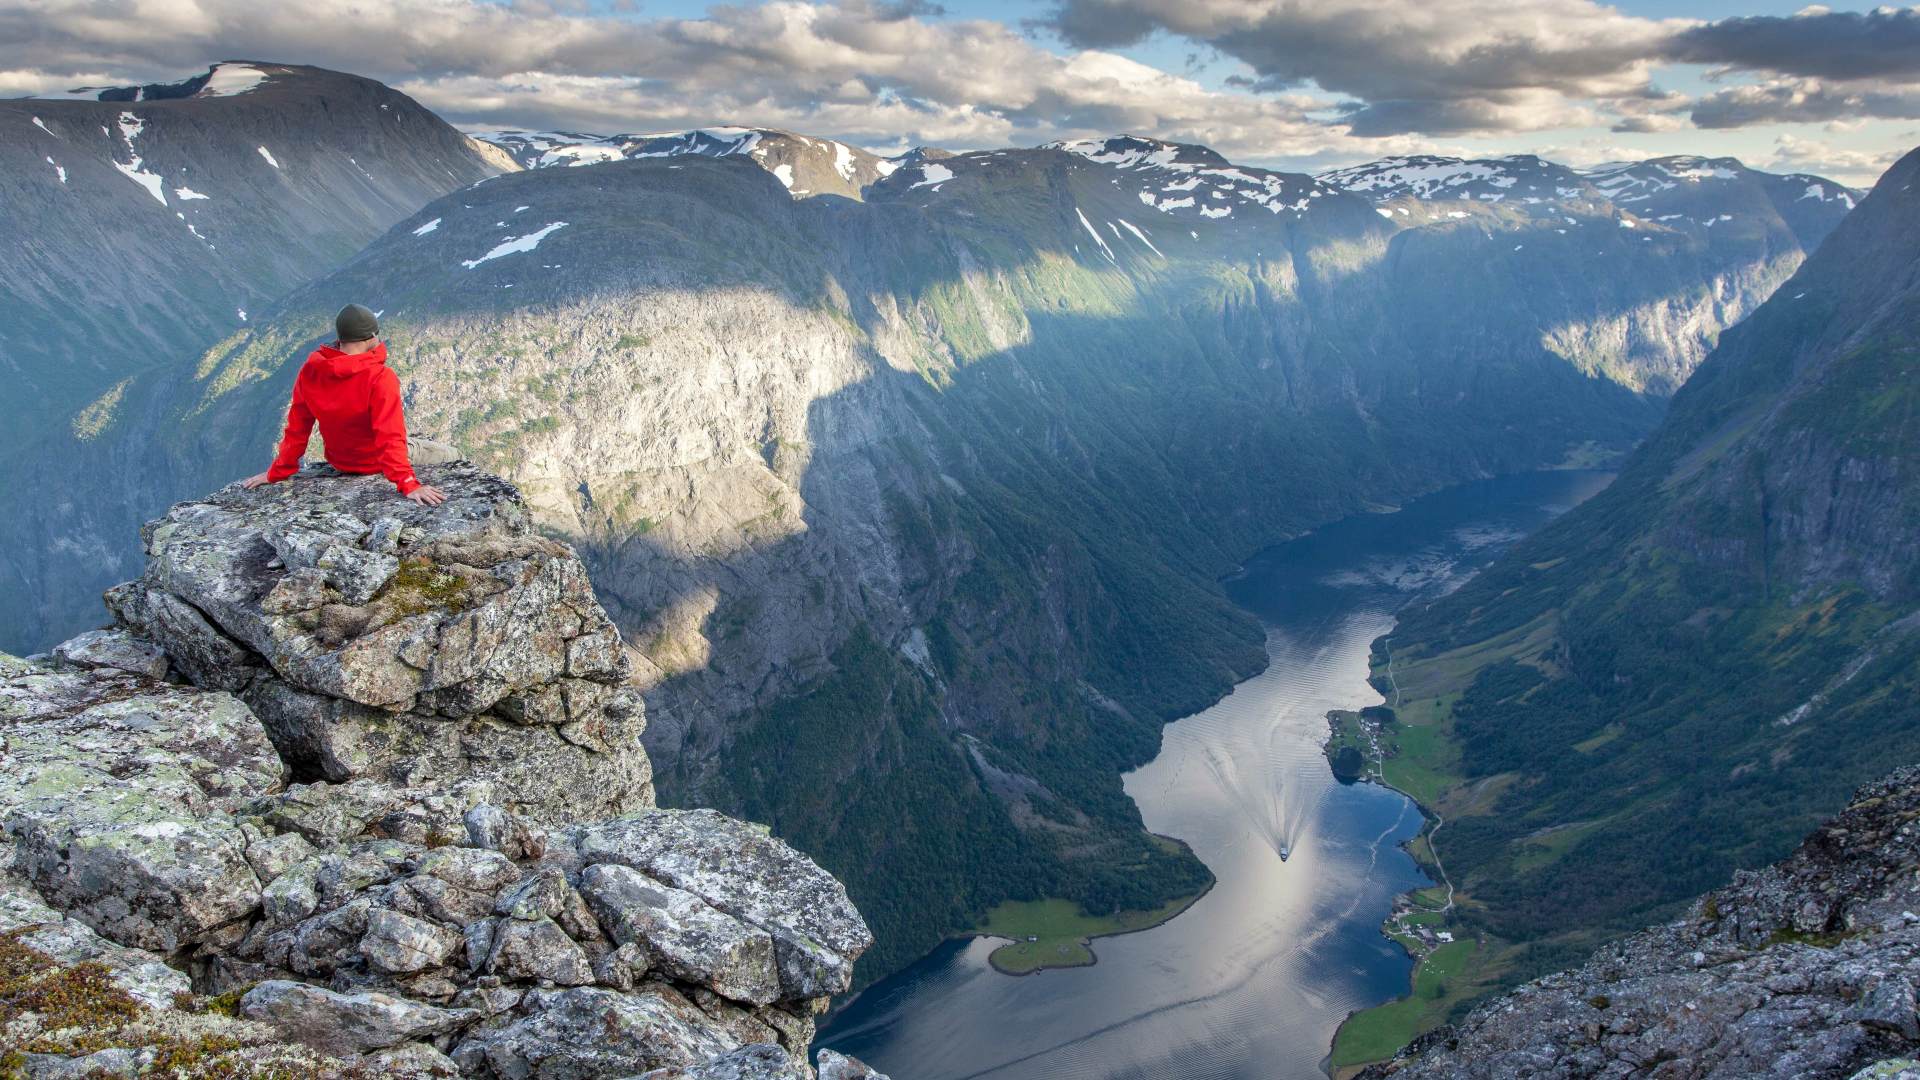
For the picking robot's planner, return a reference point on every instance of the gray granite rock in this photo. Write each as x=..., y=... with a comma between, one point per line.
x=346, y=1023
x=836, y=1066
x=740, y=870
x=383, y=653
x=592, y=1032
x=400, y=944
x=685, y=937
x=537, y=950
x=143, y=975
x=759, y=1061
x=446, y=874
x=113, y=648
x=114, y=790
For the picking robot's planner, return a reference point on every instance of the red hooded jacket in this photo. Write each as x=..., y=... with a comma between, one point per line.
x=356, y=399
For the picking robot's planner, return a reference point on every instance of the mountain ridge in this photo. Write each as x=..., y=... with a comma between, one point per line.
x=976, y=449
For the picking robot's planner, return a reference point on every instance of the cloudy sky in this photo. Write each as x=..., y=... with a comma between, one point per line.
x=1304, y=84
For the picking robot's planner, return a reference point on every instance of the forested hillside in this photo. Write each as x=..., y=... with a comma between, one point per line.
x=1685, y=674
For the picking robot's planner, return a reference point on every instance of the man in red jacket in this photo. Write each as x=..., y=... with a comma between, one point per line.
x=348, y=387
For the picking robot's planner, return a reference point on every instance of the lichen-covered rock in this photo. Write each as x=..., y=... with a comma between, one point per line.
x=1804, y=969
x=537, y=951
x=400, y=944
x=345, y=1023
x=378, y=638
x=741, y=870
x=591, y=1032
x=141, y=975
x=835, y=1066
x=68, y=1017
x=114, y=790
x=759, y=1061
x=683, y=934
x=113, y=648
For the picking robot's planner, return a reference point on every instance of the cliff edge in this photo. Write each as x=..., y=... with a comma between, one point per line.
x=1805, y=969
x=355, y=787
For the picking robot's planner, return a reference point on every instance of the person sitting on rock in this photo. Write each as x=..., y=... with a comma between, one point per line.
x=348, y=387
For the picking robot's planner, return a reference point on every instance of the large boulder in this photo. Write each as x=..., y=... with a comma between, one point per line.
x=741, y=870
x=592, y=1032
x=346, y=1023
x=116, y=792
x=376, y=637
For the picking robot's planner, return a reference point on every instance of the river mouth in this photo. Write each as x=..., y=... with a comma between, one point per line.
x=1252, y=980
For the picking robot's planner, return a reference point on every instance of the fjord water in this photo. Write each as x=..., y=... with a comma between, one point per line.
x=1252, y=980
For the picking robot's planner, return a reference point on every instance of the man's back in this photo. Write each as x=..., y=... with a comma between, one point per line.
x=348, y=389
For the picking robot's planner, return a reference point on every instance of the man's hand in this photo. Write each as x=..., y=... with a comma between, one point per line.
x=255, y=481
x=425, y=494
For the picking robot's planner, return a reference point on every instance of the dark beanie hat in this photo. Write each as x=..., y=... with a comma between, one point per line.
x=355, y=323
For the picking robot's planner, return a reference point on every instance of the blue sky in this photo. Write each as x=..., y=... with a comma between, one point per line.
x=1286, y=83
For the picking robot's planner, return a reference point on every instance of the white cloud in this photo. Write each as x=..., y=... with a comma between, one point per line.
x=1335, y=81
x=1792, y=153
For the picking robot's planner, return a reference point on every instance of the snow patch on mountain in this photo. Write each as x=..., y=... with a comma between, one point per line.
x=1428, y=177
x=427, y=228
x=130, y=128
x=268, y=154
x=802, y=163
x=934, y=173
x=515, y=245
x=229, y=80
x=187, y=194
x=1095, y=233
x=1130, y=227
x=1172, y=175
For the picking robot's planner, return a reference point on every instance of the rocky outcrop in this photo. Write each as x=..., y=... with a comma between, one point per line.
x=1805, y=969
x=378, y=638
x=393, y=808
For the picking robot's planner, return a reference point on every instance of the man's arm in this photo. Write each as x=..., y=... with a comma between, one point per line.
x=390, y=433
x=293, y=442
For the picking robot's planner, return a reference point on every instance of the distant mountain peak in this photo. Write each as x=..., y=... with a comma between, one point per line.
x=1430, y=176
x=1131, y=151
x=227, y=78
x=804, y=164
x=1197, y=180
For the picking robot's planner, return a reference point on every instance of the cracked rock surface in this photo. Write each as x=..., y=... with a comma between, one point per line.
x=369, y=773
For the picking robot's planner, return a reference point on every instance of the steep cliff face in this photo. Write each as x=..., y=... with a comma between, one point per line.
x=481, y=884
x=925, y=496
x=1681, y=675
x=1804, y=969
